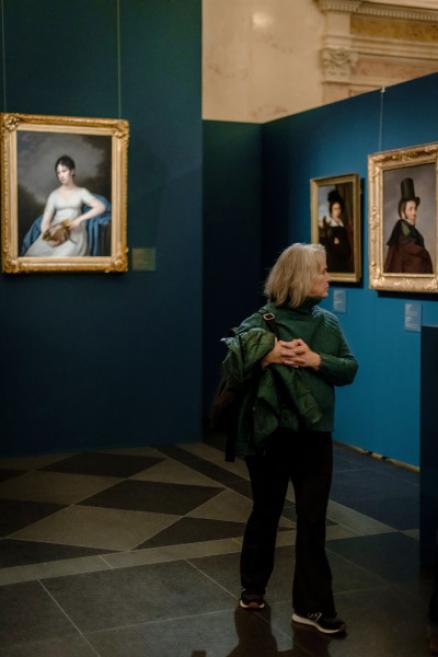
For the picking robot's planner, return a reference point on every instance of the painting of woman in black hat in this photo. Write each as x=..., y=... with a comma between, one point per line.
x=335, y=234
x=407, y=252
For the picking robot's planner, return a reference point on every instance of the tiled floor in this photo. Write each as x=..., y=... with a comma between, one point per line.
x=135, y=553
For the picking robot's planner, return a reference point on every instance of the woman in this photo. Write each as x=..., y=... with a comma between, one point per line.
x=407, y=253
x=64, y=209
x=285, y=424
x=335, y=237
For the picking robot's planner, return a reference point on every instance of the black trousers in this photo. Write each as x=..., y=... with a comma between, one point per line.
x=306, y=459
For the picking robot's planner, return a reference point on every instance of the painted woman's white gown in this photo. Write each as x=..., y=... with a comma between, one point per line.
x=64, y=207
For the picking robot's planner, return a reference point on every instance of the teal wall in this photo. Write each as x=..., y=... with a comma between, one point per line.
x=381, y=411
x=92, y=360
x=232, y=188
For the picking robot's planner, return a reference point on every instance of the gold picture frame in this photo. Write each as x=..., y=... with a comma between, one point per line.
x=336, y=224
x=402, y=243
x=57, y=169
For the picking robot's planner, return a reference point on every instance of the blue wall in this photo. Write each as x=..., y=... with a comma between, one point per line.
x=91, y=360
x=381, y=411
x=232, y=235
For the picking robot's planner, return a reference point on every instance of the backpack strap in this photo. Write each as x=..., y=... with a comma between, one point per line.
x=269, y=319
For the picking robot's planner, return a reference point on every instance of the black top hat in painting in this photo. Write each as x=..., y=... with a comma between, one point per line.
x=408, y=191
x=407, y=194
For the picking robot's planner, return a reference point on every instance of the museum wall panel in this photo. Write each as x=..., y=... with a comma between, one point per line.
x=381, y=411
x=232, y=207
x=90, y=360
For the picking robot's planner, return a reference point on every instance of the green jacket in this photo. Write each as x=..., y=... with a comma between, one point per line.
x=282, y=396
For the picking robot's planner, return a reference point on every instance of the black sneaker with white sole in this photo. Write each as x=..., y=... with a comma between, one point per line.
x=251, y=601
x=324, y=624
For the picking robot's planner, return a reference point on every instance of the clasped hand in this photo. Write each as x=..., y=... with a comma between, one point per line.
x=295, y=353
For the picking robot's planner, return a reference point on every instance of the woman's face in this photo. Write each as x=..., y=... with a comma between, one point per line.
x=410, y=212
x=64, y=174
x=336, y=211
x=320, y=284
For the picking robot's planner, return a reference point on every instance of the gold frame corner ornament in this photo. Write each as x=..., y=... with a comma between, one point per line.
x=378, y=164
x=354, y=179
x=118, y=131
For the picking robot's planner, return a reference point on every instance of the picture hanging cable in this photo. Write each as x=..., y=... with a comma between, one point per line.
x=3, y=53
x=119, y=63
x=382, y=95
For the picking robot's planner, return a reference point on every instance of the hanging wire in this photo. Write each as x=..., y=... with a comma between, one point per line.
x=382, y=95
x=3, y=54
x=119, y=62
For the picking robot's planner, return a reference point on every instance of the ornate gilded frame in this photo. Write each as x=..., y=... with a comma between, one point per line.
x=352, y=180
x=118, y=131
x=393, y=161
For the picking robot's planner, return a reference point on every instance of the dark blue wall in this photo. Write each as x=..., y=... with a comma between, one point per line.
x=380, y=412
x=91, y=360
x=232, y=235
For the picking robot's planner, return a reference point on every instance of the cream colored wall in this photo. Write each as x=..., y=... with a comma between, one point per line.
x=260, y=58
x=264, y=59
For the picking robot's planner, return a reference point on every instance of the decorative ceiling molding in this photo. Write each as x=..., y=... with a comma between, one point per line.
x=378, y=10
x=384, y=47
x=337, y=64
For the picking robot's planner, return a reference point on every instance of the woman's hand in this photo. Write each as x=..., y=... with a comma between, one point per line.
x=303, y=356
x=283, y=353
x=295, y=353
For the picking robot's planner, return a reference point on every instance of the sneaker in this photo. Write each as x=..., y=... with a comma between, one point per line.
x=252, y=601
x=322, y=623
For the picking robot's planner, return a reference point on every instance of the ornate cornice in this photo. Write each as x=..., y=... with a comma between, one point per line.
x=377, y=46
x=378, y=10
x=337, y=63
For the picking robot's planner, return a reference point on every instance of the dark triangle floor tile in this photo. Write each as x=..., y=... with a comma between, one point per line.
x=9, y=474
x=15, y=514
x=189, y=530
x=99, y=463
x=212, y=470
x=22, y=553
x=153, y=496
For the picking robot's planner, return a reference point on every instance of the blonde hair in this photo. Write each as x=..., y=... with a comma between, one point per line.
x=291, y=278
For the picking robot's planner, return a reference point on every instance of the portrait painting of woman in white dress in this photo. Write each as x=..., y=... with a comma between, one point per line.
x=64, y=185
x=63, y=227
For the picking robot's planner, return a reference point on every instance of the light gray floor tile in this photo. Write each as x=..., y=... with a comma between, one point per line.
x=412, y=533
x=88, y=526
x=233, y=633
x=205, y=451
x=51, y=569
x=228, y=505
x=356, y=522
x=173, y=553
x=55, y=487
x=73, y=646
x=115, y=598
x=380, y=624
x=333, y=532
x=29, y=614
x=171, y=471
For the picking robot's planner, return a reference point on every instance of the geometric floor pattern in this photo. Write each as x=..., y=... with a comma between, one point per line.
x=134, y=552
